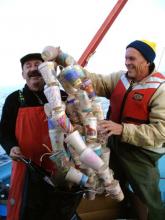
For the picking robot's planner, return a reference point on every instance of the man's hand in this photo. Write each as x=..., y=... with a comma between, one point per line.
x=109, y=128
x=15, y=153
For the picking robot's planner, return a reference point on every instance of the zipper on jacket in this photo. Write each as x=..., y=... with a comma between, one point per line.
x=124, y=99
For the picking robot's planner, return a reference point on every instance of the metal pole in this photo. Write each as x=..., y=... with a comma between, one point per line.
x=101, y=32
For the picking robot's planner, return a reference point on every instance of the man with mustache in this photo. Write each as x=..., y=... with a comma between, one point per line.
x=23, y=131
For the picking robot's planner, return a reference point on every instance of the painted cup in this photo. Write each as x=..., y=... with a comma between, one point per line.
x=91, y=159
x=75, y=176
x=72, y=75
x=53, y=96
x=76, y=141
x=90, y=124
x=47, y=70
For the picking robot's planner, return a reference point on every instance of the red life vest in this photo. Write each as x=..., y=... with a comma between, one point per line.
x=31, y=132
x=131, y=104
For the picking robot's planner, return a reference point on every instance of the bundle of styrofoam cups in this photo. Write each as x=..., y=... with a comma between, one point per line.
x=77, y=120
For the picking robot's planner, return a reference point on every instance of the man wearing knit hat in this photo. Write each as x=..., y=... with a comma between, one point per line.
x=135, y=124
x=147, y=51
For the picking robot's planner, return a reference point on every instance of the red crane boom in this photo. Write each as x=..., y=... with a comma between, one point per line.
x=101, y=32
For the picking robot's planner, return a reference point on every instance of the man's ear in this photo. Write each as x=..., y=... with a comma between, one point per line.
x=23, y=75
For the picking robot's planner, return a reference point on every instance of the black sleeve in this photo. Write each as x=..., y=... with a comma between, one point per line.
x=8, y=122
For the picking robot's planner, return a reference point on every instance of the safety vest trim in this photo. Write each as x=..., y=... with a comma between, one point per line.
x=135, y=108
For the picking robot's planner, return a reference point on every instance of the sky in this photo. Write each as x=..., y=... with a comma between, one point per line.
x=29, y=25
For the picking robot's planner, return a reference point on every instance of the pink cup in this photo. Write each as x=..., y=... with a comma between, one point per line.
x=64, y=122
x=91, y=159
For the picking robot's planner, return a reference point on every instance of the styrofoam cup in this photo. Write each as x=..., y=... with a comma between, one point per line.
x=119, y=197
x=113, y=188
x=91, y=195
x=96, y=147
x=105, y=155
x=53, y=96
x=106, y=174
x=75, y=176
x=91, y=159
x=76, y=141
x=48, y=72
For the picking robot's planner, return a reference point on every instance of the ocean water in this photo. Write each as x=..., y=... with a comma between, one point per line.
x=5, y=91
